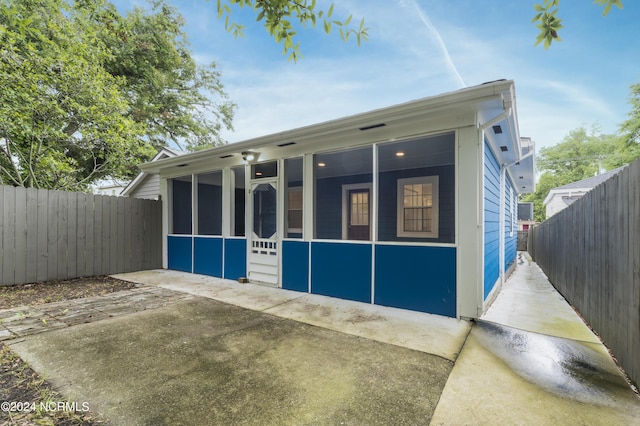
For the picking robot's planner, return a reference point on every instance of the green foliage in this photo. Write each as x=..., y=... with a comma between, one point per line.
x=549, y=24
x=278, y=15
x=631, y=127
x=83, y=96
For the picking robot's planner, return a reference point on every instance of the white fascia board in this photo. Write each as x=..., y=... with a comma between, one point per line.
x=314, y=134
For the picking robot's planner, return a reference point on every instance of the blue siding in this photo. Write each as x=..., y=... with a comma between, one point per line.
x=235, y=258
x=417, y=278
x=207, y=256
x=179, y=254
x=510, y=234
x=491, y=220
x=341, y=270
x=295, y=265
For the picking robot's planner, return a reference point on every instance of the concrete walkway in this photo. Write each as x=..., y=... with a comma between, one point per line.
x=529, y=360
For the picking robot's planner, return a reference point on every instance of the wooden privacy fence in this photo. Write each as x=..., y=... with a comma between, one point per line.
x=49, y=235
x=591, y=253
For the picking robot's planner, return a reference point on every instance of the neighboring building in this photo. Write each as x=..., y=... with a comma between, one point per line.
x=109, y=188
x=525, y=216
x=148, y=185
x=563, y=196
x=411, y=206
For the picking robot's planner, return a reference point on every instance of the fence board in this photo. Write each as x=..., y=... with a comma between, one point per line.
x=100, y=257
x=72, y=235
x=591, y=253
x=20, y=226
x=31, y=218
x=81, y=236
x=89, y=235
x=8, y=237
x=50, y=235
x=43, y=234
x=120, y=244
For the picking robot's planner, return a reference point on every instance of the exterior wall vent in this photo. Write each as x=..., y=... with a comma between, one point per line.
x=503, y=148
x=497, y=129
x=373, y=126
x=286, y=144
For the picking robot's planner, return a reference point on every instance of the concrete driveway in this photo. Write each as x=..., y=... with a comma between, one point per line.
x=206, y=362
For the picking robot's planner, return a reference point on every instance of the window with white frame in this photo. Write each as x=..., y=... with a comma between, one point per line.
x=418, y=212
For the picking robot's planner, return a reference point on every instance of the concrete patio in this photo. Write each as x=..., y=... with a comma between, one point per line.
x=223, y=352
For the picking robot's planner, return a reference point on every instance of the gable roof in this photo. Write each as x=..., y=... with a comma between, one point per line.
x=165, y=152
x=591, y=182
x=579, y=188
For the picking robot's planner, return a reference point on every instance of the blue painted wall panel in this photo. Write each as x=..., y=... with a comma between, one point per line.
x=510, y=231
x=295, y=265
x=491, y=220
x=179, y=254
x=235, y=258
x=341, y=270
x=207, y=256
x=417, y=278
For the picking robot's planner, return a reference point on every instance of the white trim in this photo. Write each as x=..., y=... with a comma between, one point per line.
x=415, y=244
x=227, y=200
x=435, y=206
x=345, y=206
x=341, y=241
x=308, y=189
x=166, y=216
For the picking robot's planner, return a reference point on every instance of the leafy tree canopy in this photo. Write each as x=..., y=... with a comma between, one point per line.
x=88, y=93
x=549, y=24
x=280, y=17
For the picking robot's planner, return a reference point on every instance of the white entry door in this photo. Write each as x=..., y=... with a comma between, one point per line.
x=263, y=253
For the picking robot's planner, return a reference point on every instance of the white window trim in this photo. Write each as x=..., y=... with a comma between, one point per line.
x=434, y=181
x=512, y=215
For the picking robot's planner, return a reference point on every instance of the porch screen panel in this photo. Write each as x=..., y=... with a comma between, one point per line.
x=293, y=199
x=339, y=176
x=417, y=190
x=210, y=203
x=181, y=205
x=238, y=212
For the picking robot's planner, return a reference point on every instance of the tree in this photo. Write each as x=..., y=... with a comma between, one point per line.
x=630, y=129
x=549, y=24
x=582, y=153
x=83, y=97
x=280, y=16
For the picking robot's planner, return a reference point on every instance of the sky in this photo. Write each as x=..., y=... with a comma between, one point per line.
x=420, y=48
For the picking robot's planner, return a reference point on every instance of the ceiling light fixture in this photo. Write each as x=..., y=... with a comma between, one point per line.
x=399, y=154
x=321, y=164
x=250, y=156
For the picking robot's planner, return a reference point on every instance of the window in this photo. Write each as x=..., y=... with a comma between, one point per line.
x=181, y=205
x=418, y=207
x=209, y=203
x=293, y=200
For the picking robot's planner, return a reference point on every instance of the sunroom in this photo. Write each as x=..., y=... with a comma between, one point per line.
x=385, y=207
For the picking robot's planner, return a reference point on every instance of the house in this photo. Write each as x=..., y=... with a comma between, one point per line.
x=525, y=216
x=563, y=196
x=109, y=188
x=147, y=185
x=411, y=206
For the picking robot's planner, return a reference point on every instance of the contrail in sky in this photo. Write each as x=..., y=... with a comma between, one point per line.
x=427, y=22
